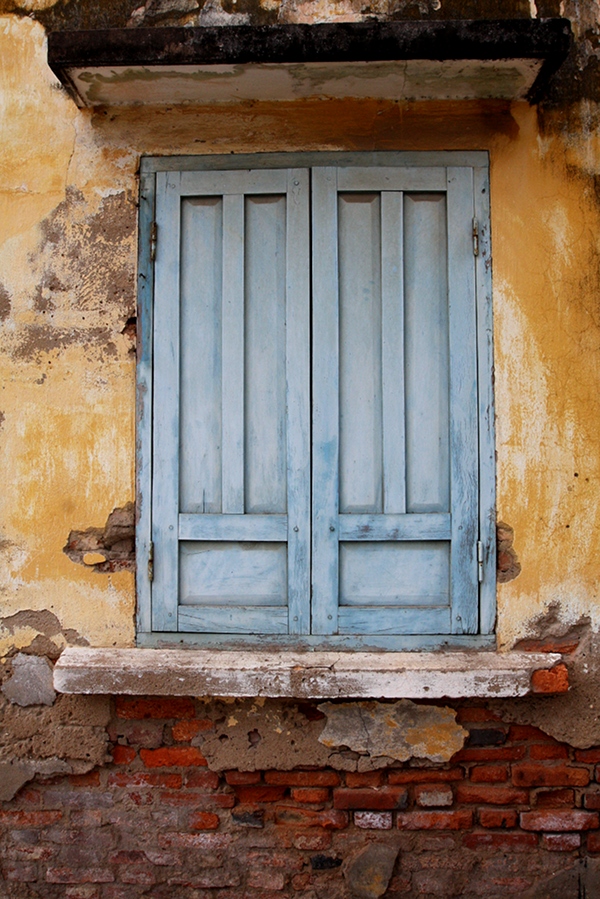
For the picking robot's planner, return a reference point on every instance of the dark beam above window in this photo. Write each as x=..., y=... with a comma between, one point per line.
x=454, y=59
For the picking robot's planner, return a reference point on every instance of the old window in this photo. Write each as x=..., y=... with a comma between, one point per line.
x=316, y=448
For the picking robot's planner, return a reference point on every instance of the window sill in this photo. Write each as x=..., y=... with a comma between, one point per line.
x=308, y=675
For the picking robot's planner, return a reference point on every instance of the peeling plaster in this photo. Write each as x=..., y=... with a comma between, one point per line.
x=398, y=731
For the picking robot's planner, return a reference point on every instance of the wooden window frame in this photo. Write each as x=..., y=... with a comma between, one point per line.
x=478, y=162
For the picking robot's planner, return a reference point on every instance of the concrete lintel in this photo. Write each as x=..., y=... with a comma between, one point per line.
x=409, y=60
x=300, y=675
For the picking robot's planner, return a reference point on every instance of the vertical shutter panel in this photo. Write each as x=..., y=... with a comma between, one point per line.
x=394, y=388
x=232, y=294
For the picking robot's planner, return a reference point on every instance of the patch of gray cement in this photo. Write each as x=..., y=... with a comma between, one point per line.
x=31, y=681
x=399, y=730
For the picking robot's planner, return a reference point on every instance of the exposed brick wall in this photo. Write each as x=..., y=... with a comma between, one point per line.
x=510, y=810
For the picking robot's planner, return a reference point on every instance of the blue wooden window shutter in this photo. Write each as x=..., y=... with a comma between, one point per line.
x=319, y=483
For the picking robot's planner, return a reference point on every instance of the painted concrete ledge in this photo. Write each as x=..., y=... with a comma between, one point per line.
x=308, y=675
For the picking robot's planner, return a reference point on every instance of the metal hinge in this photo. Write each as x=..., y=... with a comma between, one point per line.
x=479, y=561
x=153, y=238
x=151, y=561
x=475, y=237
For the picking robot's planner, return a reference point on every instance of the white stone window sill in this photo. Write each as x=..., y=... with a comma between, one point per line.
x=306, y=675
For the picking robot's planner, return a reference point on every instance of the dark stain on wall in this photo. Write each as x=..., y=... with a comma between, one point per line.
x=5, y=303
x=507, y=564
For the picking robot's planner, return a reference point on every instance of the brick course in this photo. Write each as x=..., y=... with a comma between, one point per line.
x=158, y=821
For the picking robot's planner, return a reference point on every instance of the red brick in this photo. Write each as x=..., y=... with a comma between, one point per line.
x=184, y=731
x=490, y=754
x=171, y=707
x=551, y=680
x=592, y=801
x=122, y=755
x=141, y=876
x=172, y=757
x=459, y=820
x=364, y=778
x=561, y=842
x=509, y=841
x=519, y=732
x=554, y=798
x=127, y=857
x=558, y=821
x=422, y=776
x=302, y=881
x=79, y=875
x=18, y=819
x=331, y=819
x=475, y=715
x=375, y=798
x=491, y=817
x=209, y=779
x=488, y=774
x=591, y=756
x=303, y=778
x=90, y=779
x=82, y=891
x=542, y=751
x=236, y=778
x=312, y=842
x=310, y=794
x=469, y=793
x=549, y=776
x=207, y=880
x=209, y=842
x=191, y=799
x=28, y=796
x=260, y=793
x=21, y=873
x=593, y=842
x=549, y=644
x=142, y=779
x=266, y=880
x=204, y=821
x=287, y=860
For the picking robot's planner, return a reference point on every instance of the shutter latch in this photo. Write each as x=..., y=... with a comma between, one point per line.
x=479, y=561
x=151, y=561
x=475, y=237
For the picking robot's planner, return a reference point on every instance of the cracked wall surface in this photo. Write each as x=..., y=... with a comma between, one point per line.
x=68, y=232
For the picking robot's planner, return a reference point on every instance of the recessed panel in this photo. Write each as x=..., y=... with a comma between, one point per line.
x=361, y=441
x=200, y=377
x=426, y=353
x=248, y=574
x=265, y=461
x=395, y=574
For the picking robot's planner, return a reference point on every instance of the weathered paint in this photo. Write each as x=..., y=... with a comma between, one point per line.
x=68, y=218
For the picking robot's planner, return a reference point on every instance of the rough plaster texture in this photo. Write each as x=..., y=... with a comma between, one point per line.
x=399, y=730
x=573, y=717
x=354, y=737
x=67, y=254
x=31, y=681
x=268, y=734
x=68, y=737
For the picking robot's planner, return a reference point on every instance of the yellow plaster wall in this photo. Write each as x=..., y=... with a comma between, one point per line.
x=67, y=436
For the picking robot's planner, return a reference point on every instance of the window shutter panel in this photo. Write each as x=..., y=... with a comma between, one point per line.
x=231, y=438
x=395, y=467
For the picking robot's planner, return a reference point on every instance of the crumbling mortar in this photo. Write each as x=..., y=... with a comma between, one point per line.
x=107, y=549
